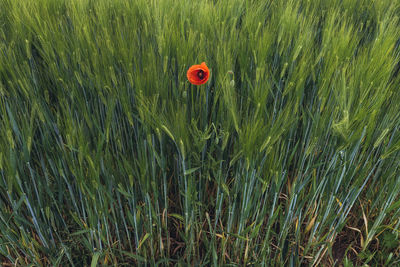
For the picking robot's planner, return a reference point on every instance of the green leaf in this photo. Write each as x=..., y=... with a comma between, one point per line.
x=134, y=256
x=147, y=235
x=95, y=259
x=80, y=232
x=192, y=170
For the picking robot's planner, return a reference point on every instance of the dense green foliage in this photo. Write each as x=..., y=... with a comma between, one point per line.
x=289, y=155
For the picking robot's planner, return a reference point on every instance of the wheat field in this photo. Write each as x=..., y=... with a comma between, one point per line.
x=289, y=155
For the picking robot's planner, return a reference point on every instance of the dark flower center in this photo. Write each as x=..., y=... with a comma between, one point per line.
x=200, y=74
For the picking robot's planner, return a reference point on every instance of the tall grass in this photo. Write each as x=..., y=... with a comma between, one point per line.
x=288, y=156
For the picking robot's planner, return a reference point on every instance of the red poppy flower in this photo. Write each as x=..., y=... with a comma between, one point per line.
x=198, y=74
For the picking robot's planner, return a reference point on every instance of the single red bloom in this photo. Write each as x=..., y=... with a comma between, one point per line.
x=198, y=74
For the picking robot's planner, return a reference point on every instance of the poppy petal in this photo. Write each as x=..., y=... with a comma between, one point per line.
x=195, y=77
